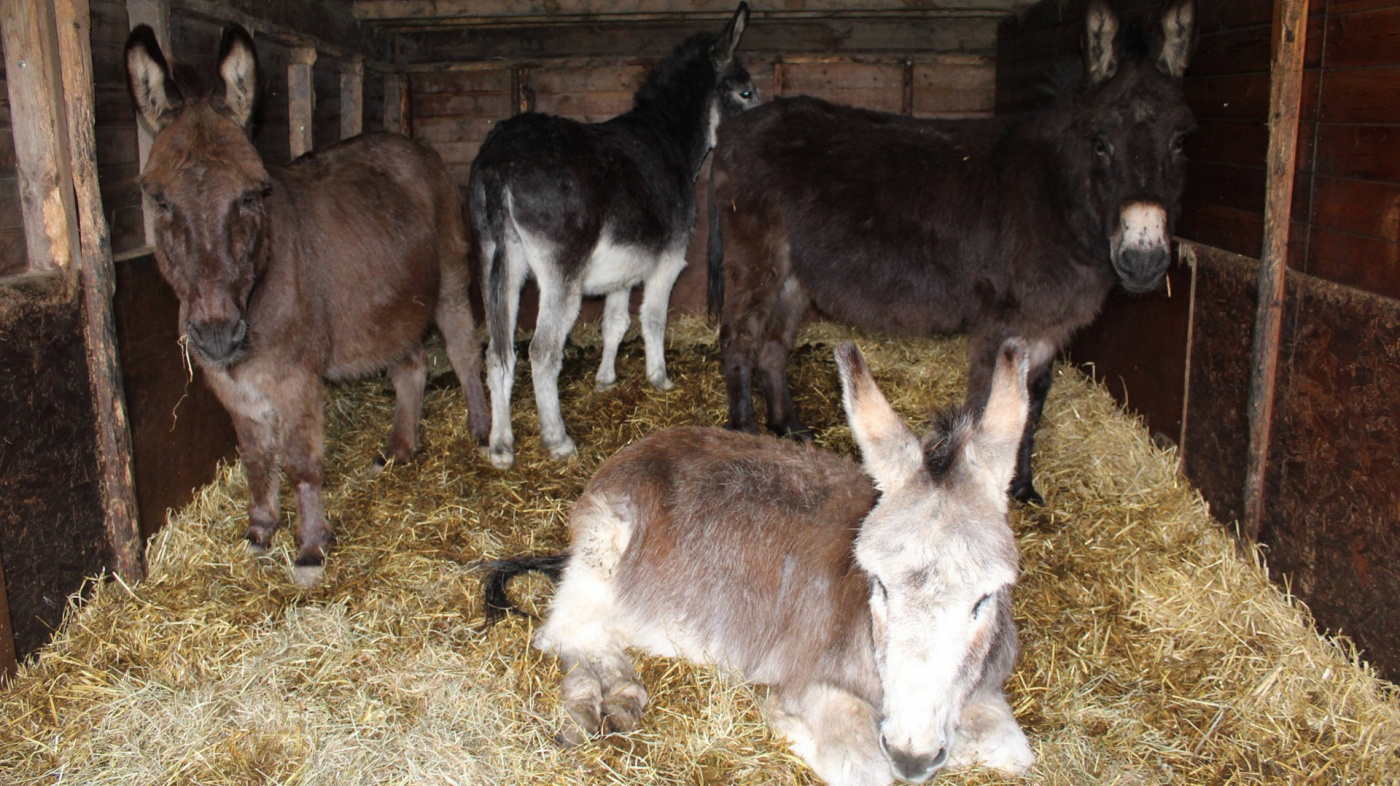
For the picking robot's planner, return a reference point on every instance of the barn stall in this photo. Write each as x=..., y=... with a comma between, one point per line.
x=1155, y=647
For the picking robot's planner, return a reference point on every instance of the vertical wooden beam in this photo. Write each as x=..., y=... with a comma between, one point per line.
x=352, y=97
x=301, y=99
x=1285, y=98
x=906, y=99
x=778, y=79
x=40, y=133
x=155, y=13
x=8, y=663
x=396, y=103
x=523, y=95
x=117, y=482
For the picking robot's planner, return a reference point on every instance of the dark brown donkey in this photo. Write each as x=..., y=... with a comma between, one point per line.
x=333, y=267
x=1012, y=226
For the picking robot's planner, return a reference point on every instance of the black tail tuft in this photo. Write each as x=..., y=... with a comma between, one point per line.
x=500, y=572
x=715, y=300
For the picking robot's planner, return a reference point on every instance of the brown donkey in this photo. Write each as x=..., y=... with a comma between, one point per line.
x=876, y=604
x=333, y=267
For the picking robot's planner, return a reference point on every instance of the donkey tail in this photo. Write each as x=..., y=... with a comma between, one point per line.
x=715, y=299
x=499, y=573
x=487, y=204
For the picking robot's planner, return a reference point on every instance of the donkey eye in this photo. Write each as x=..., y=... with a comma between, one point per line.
x=981, y=606
x=747, y=94
x=1103, y=147
x=1178, y=143
x=879, y=587
x=250, y=199
x=159, y=200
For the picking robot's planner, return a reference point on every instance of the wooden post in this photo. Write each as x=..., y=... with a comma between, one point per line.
x=117, y=482
x=1285, y=93
x=301, y=99
x=523, y=95
x=8, y=663
x=906, y=98
x=777, y=78
x=40, y=134
x=155, y=13
x=352, y=98
x=396, y=103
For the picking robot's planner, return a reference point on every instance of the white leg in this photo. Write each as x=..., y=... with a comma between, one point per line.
x=502, y=309
x=615, y=321
x=559, y=304
x=835, y=732
x=989, y=735
x=656, y=297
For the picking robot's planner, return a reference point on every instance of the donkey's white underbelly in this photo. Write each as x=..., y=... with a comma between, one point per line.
x=613, y=267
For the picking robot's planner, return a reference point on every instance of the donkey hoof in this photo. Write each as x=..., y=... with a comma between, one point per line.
x=501, y=456
x=258, y=540
x=563, y=450
x=378, y=466
x=308, y=570
x=664, y=383
x=622, y=709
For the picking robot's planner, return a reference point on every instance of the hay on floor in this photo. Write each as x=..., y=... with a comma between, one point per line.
x=1152, y=652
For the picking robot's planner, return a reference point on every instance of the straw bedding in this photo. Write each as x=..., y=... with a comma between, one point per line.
x=1152, y=651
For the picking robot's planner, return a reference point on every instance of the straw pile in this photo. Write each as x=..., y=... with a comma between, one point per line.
x=1152, y=652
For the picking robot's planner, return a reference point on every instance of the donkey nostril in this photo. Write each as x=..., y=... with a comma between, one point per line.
x=240, y=330
x=939, y=759
x=884, y=745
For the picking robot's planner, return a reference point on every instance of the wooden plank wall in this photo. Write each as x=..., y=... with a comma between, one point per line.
x=13, y=251
x=455, y=107
x=1333, y=502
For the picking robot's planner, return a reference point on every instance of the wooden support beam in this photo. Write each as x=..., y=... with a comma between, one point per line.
x=474, y=12
x=522, y=92
x=117, y=481
x=40, y=133
x=906, y=99
x=396, y=117
x=1285, y=94
x=155, y=13
x=301, y=99
x=8, y=663
x=352, y=98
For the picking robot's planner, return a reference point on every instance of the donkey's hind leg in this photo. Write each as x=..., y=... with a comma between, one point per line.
x=503, y=275
x=783, y=322
x=454, y=319
x=559, y=304
x=656, y=296
x=615, y=321
x=834, y=731
x=409, y=375
x=600, y=690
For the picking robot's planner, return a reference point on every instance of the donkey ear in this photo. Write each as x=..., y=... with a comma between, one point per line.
x=890, y=450
x=1004, y=419
x=148, y=79
x=723, y=51
x=1178, y=38
x=238, y=65
x=1100, y=42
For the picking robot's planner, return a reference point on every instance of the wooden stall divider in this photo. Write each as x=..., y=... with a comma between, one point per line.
x=352, y=97
x=301, y=99
x=1285, y=94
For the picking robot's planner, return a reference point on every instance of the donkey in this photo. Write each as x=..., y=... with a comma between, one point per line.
x=875, y=604
x=333, y=267
x=1011, y=226
x=595, y=210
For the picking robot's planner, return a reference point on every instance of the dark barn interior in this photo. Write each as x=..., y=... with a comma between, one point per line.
x=103, y=428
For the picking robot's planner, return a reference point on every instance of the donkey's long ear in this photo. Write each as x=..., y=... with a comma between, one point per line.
x=1004, y=419
x=890, y=450
x=1100, y=42
x=723, y=51
x=238, y=65
x=148, y=79
x=1172, y=51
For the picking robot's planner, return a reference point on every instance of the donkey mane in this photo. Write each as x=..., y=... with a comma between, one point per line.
x=948, y=434
x=683, y=69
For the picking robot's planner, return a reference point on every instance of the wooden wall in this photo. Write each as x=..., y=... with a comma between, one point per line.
x=1332, y=506
x=13, y=251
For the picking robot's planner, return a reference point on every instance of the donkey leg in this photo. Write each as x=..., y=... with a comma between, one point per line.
x=656, y=296
x=559, y=304
x=255, y=424
x=300, y=406
x=501, y=284
x=409, y=375
x=615, y=321
x=454, y=319
x=835, y=732
x=785, y=319
x=737, y=368
x=600, y=691
x=1022, y=483
x=989, y=735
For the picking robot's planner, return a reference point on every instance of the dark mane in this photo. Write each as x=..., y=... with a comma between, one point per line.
x=685, y=68
x=944, y=443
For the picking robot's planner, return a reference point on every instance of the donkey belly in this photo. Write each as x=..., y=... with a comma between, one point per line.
x=614, y=266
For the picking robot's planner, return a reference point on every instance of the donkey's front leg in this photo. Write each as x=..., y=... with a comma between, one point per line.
x=255, y=423
x=300, y=402
x=990, y=736
x=410, y=376
x=615, y=321
x=834, y=731
x=656, y=296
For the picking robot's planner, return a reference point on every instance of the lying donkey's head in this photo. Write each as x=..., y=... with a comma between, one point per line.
x=940, y=556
